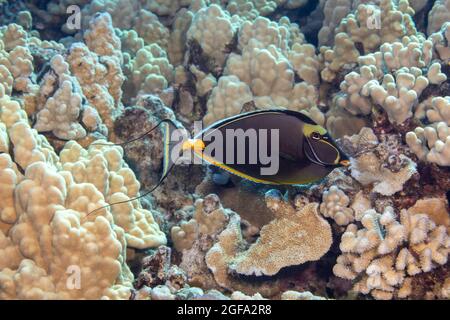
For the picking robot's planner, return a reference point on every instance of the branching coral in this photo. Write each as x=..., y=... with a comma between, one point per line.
x=441, y=40
x=391, y=78
x=272, y=55
x=335, y=205
x=388, y=251
x=42, y=206
x=431, y=143
x=438, y=15
x=262, y=33
x=13, y=36
x=100, y=76
x=149, y=71
x=117, y=183
x=398, y=95
x=305, y=62
x=178, y=38
x=334, y=11
x=361, y=28
x=16, y=61
x=129, y=15
x=435, y=109
x=271, y=79
x=227, y=99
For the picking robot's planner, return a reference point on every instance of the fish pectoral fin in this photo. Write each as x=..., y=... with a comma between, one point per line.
x=287, y=156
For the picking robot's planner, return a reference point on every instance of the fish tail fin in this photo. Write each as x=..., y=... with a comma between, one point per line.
x=168, y=163
x=168, y=160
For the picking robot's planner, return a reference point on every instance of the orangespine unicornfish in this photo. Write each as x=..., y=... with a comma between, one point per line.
x=306, y=152
x=300, y=150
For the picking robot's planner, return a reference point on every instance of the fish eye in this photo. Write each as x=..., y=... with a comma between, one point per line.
x=315, y=135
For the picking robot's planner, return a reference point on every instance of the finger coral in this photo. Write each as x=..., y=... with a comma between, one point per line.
x=213, y=29
x=362, y=28
x=438, y=15
x=431, y=143
x=53, y=245
x=389, y=250
x=227, y=99
x=335, y=205
x=60, y=113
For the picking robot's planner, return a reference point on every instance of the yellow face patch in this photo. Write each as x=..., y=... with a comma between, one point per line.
x=308, y=129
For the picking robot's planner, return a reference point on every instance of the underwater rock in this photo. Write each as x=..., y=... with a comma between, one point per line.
x=155, y=268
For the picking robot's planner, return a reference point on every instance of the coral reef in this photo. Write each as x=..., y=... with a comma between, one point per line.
x=308, y=235
x=78, y=94
x=389, y=251
x=46, y=227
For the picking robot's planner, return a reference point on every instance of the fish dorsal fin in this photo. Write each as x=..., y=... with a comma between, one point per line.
x=301, y=116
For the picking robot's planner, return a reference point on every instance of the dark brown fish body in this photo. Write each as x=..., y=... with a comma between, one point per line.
x=295, y=167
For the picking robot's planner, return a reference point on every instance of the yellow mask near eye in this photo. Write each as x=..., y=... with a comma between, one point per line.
x=308, y=129
x=317, y=134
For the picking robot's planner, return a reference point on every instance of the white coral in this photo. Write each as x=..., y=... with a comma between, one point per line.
x=441, y=40
x=398, y=95
x=61, y=111
x=435, y=109
x=227, y=99
x=213, y=29
x=438, y=15
x=431, y=143
x=335, y=205
x=45, y=230
x=382, y=252
x=271, y=79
